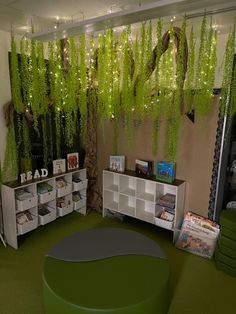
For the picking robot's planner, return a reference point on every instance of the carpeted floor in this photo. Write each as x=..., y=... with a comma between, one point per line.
x=196, y=286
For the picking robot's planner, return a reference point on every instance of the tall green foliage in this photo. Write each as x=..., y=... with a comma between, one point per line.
x=190, y=75
x=227, y=75
x=15, y=79
x=175, y=113
x=26, y=147
x=156, y=112
x=24, y=72
x=127, y=99
x=10, y=169
x=83, y=83
x=71, y=101
x=148, y=70
x=34, y=90
x=140, y=86
x=42, y=84
x=207, y=66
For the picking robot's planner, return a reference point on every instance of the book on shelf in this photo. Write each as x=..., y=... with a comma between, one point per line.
x=198, y=235
x=72, y=161
x=117, y=163
x=167, y=200
x=165, y=171
x=144, y=167
x=23, y=218
x=59, y=166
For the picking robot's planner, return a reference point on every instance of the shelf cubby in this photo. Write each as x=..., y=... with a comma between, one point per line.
x=110, y=199
x=127, y=205
x=111, y=181
x=136, y=196
x=14, y=204
x=127, y=185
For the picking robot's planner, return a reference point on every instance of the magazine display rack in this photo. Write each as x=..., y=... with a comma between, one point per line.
x=38, y=202
x=133, y=195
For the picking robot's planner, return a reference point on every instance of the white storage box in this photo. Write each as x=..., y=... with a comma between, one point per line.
x=164, y=223
x=43, y=220
x=65, y=190
x=47, y=197
x=28, y=226
x=81, y=203
x=77, y=186
x=27, y=203
x=62, y=211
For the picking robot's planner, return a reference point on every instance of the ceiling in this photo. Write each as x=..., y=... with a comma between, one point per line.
x=47, y=14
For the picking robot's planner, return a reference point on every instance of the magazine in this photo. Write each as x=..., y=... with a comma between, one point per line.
x=198, y=235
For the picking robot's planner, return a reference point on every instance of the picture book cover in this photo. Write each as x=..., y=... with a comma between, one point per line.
x=72, y=161
x=165, y=171
x=144, y=167
x=59, y=166
x=117, y=163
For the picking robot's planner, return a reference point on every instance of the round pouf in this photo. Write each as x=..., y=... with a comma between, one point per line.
x=106, y=270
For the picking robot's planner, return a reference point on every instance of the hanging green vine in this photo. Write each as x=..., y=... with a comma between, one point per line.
x=190, y=75
x=232, y=107
x=115, y=97
x=227, y=75
x=156, y=112
x=10, y=169
x=45, y=136
x=208, y=66
x=42, y=85
x=172, y=127
x=126, y=83
x=34, y=90
x=140, y=90
x=26, y=147
x=168, y=81
x=24, y=71
x=57, y=89
x=15, y=79
x=71, y=104
x=83, y=84
x=148, y=75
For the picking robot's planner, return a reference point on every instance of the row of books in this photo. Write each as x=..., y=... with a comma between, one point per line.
x=165, y=171
x=166, y=207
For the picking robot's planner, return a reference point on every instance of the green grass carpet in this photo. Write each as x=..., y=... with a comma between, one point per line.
x=196, y=286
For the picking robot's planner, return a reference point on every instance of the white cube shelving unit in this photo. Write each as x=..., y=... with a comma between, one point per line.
x=136, y=196
x=11, y=206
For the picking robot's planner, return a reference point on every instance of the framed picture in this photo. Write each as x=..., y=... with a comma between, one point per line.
x=117, y=163
x=72, y=161
x=165, y=171
x=59, y=166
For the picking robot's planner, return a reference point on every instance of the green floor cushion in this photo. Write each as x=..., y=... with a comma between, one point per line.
x=221, y=257
x=228, y=219
x=226, y=250
x=225, y=241
x=228, y=233
x=226, y=268
x=120, y=284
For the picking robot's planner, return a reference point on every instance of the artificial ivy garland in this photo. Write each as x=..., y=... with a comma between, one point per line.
x=190, y=75
x=227, y=76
